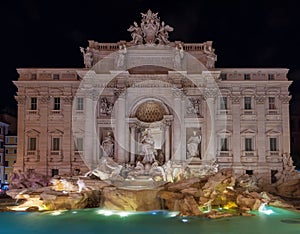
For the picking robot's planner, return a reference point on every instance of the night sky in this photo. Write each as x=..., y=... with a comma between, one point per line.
x=49, y=33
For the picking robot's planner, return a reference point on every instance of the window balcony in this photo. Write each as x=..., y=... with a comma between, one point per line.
x=249, y=156
x=55, y=114
x=32, y=115
x=55, y=156
x=273, y=156
x=32, y=156
x=224, y=157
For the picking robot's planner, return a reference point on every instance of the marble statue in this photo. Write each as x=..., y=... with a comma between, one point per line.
x=210, y=53
x=148, y=147
x=150, y=31
x=163, y=33
x=179, y=53
x=136, y=33
x=87, y=57
x=192, y=145
x=120, y=58
x=108, y=146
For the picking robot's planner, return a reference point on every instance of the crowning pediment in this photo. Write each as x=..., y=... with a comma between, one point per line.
x=56, y=132
x=248, y=131
x=224, y=132
x=272, y=132
x=32, y=132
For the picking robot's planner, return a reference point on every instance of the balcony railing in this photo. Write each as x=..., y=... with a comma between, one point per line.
x=32, y=156
x=55, y=156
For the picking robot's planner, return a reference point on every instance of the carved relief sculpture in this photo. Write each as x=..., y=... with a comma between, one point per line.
x=105, y=107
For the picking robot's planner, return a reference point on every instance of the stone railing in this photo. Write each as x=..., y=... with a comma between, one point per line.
x=194, y=46
x=55, y=156
x=32, y=156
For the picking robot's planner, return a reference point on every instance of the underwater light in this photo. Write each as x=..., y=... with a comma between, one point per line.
x=184, y=220
x=56, y=213
x=263, y=209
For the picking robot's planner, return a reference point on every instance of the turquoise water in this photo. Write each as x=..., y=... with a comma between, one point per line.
x=99, y=221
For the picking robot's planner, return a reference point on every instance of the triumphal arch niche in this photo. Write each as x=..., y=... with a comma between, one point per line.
x=148, y=99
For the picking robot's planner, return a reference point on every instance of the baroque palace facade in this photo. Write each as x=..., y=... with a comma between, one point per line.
x=194, y=112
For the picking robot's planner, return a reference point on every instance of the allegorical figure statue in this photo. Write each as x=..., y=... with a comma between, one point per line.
x=108, y=146
x=136, y=33
x=148, y=147
x=87, y=57
x=211, y=56
x=120, y=59
x=192, y=145
x=179, y=53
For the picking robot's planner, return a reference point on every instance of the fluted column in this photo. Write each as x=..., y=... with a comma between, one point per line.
x=285, y=99
x=167, y=142
x=132, y=144
x=120, y=125
x=177, y=128
x=210, y=95
x=261, y=128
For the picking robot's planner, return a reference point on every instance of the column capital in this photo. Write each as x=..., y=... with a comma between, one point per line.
x=45, y=99
x=20, y=99
x=120, y=92
x=92, y=94
x=178, y=93
x=285, y=99
x=210, y=93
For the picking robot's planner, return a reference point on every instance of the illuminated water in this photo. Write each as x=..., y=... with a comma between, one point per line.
x=99, y=221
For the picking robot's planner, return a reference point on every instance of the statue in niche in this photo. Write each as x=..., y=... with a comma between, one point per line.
x=108, y=145
x=148, y=147
x=193, y=145
x=163, y=33
x=120, y=58
x=179, y=53
x=211, y=56
x=136, y=34
x=105, y=107
x=87, y=57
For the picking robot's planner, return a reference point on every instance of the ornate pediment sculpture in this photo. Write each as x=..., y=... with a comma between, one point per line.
x=150, y=31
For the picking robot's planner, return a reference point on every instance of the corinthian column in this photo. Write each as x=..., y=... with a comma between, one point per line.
x=210, y=95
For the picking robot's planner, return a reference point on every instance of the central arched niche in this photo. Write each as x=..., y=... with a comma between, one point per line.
x=150, y=111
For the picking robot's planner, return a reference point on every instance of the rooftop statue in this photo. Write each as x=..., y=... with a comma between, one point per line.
x=150, y=31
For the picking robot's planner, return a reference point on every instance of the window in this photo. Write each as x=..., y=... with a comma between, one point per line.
x=6, y=140
x=33, y=103
x=31, y=171
x=6, y=163
x=1, y=145
x=273, y=144
x=6, y=151
x=249, y=172
x=56, y=103
x=224, y=144
x=0, y=131
x=271, y=77
x=55, y=144
x=273, y=176
x=54, y=172
x=247, y=103
x=246, y=76
x=32, y=144
x=15, y=151
x=79, y=144
x=223, y=103
x=79, y=103
x=16, y=140
x=55, y=76
x=5, y=177
x=272, y=103
x=1, y=158
x=248, y=144
x=33, y=76
x=223, y=76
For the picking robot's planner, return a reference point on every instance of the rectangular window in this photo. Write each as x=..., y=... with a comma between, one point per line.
x=0, y=131
x=273, y=144
x=272, y=103
x=0, y=158
x=30, y=171
x=56, y=103
x=248, y=144
x=79, y=103
x=33, y=103
x=6, y=163
x=54, y=172
x=247, y=103
x=223, y=103
x=271, y=77
x=223, y=76
x=55, y=76
x=32, y=144
x=249, y=172
x=5, y=177
x=15, y=151
x=55, y=145
x=79, y=144
x=224, y=144
x=246, y=76
x=6, y=151
x=1, y=145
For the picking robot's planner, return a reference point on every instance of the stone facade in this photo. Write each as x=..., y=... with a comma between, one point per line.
x=69, y=118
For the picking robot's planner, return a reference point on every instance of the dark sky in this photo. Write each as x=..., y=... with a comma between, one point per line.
x=49, y=33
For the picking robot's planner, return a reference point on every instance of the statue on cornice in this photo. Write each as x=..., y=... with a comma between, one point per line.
x=120, y=58
x=211, y=56
x=136, y=33
x=150, y=31
x=87, y=57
